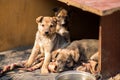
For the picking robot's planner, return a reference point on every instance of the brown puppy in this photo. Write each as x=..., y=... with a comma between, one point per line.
x=62, y=23
x=74, y=54
x=46, y=41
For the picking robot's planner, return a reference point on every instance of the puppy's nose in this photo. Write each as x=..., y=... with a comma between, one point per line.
x=46, y=32
x=55, y=68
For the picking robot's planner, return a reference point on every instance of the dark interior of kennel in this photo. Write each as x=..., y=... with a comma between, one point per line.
x=86, y=25
x=82, y=24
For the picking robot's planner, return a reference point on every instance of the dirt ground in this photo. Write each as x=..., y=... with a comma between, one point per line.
x=20, y=54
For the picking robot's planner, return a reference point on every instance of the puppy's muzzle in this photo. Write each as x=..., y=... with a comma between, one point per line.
x=54, y=68
x=47, y=32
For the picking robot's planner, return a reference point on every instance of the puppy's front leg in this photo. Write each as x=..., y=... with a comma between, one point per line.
x=44, y=69
x=33, y=55
x=95, y=56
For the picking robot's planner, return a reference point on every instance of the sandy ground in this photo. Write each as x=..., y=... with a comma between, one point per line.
x=16, y=55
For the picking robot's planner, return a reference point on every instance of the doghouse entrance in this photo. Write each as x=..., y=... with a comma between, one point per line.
x=83, y=25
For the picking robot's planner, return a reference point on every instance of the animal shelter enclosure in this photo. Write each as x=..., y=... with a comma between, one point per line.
x=89, y=19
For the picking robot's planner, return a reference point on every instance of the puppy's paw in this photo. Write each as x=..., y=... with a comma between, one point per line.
x=27, y=65
x=44, y=71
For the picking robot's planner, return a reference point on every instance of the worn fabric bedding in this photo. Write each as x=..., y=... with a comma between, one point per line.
x=17, y=55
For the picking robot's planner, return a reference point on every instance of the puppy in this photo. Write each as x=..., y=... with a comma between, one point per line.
x=62, y=23
x=74, y=54
x=47, y=40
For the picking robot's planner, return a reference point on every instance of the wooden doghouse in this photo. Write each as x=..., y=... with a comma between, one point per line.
x=104, y=14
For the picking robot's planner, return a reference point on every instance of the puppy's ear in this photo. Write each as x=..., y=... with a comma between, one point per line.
x=55, y=19
x=75, y=55
x=57, y=10
x=64, y=12
x=39, y=19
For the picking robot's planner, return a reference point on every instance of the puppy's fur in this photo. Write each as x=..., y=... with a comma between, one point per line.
x=62, y=23
x=46, y=41
x=75, y=53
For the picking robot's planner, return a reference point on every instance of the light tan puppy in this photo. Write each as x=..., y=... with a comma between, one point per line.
x=47, y=40
x=74, y=54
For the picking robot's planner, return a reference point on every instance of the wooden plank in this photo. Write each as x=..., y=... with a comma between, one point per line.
x=99, y=7
x=110, y=44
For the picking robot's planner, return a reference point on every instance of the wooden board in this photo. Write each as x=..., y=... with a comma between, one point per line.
x=99, y=7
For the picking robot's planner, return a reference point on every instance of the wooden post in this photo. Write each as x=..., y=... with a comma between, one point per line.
x=99, y=54
x=110, y=44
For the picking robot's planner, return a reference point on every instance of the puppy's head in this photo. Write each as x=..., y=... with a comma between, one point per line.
x=61, y=15
x=46, y=25
x=64, y=58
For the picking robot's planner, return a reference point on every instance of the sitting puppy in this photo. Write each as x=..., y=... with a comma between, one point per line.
x=62, y=23
x=47, y=40
x=74, y=54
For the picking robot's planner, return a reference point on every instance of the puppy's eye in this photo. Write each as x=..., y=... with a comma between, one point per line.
x=51, y=25
x=42, y=25
x=58, y=61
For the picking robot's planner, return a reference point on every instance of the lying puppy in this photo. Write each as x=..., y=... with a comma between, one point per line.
x=62, y=23
x=74, y=54
x=47, y=40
